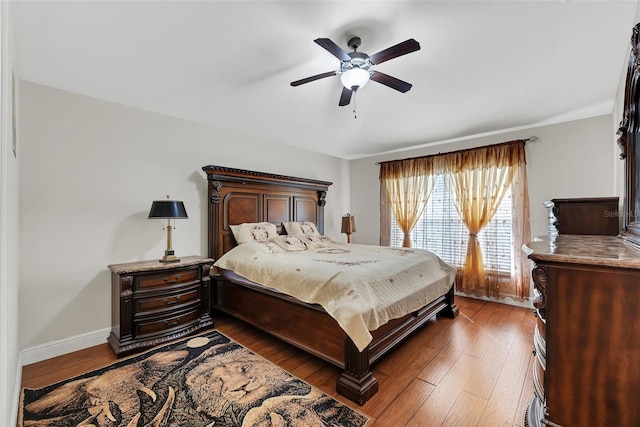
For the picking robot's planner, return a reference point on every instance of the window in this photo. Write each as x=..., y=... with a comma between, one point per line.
x=496, y=266
x=441, y=230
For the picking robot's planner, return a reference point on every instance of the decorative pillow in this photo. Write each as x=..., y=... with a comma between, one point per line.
x=290, y=243
x=254, y=232
x=318, y=242
x=269, y=247
x=306, y=227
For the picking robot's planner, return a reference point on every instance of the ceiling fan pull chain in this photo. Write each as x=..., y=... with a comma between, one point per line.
x=355, y=116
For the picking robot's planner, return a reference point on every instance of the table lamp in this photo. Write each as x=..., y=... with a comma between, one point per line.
x=168, y=209
x=348, y=225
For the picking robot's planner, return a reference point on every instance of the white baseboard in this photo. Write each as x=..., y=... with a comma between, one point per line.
x=509, y=301
x=67, y=345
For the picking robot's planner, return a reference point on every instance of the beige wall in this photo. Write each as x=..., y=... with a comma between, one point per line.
x=89, y=172
x=573, y=159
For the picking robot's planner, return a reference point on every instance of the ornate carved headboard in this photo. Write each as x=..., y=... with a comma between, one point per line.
x=237, y=196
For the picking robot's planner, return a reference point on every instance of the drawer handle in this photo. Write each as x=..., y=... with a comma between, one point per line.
x=171, y=281
x=171, y=322
x=168, y=301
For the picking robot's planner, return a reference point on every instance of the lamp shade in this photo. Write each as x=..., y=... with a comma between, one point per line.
x=167, y=209
x=348, y=224
x=355, y=78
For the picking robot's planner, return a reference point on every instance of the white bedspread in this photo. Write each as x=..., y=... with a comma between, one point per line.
x=361, y=286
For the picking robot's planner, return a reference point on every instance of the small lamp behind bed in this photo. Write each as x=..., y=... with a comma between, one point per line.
x=348, y=225
x=168, y=209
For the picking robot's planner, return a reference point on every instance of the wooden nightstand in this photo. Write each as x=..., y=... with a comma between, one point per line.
x=154, y=302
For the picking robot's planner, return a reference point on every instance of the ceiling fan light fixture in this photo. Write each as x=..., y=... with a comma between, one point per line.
x=354, y=78
x=355, y=67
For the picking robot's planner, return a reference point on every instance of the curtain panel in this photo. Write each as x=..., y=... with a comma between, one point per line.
x=408, y=188
x=479, y=179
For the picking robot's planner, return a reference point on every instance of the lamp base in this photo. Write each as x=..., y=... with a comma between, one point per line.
x=169, y=257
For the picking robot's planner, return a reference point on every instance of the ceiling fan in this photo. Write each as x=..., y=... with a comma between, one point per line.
x=356, y=67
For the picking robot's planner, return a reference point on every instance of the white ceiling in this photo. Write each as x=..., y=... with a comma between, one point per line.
x=484, y=66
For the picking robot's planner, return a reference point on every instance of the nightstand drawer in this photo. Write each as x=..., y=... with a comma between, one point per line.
x=160, y=325
x=167, y=301
x=167, y=279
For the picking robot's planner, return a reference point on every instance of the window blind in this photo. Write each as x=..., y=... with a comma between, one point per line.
x=441, y=231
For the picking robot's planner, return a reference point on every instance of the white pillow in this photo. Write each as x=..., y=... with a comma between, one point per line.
x=254, y=232
x=290, y=243
x=305, y=227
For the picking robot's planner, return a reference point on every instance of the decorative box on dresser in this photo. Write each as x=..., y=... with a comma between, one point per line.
x=154, y=302
x=587, y=339
x=594, y=215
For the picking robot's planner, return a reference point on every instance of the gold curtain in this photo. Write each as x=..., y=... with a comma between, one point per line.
x=408, y=188
x=480, y=179
x=521, y=231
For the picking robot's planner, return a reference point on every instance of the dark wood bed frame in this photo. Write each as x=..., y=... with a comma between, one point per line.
x=238, y=196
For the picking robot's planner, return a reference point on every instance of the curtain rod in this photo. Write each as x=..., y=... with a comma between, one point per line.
x=530, y=139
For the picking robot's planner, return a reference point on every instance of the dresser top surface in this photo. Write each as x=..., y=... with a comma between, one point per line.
x=155, y=265
x=581, y=249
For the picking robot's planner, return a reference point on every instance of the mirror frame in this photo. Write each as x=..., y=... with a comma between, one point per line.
x=629, y=142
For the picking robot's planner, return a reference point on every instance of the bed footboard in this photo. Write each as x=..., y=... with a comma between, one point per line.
x=311, y=329
x=357, y=382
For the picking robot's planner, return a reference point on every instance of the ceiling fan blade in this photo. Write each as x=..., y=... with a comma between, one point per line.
x=345, y=98
x=312, y=78
x=392, y=82
x=400, y=49
x=334, y=49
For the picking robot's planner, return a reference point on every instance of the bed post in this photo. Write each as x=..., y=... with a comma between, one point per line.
x=321, y=202
x=452, y=309
x=215, y=188
x=356, y=383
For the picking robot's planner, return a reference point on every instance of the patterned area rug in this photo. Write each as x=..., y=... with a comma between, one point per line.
x=208, y=380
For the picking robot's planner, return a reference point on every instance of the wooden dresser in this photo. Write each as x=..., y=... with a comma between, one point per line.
x=155, y=302
x=587, y=339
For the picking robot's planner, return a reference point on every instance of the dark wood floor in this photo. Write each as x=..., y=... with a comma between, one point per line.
x=474, y=370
